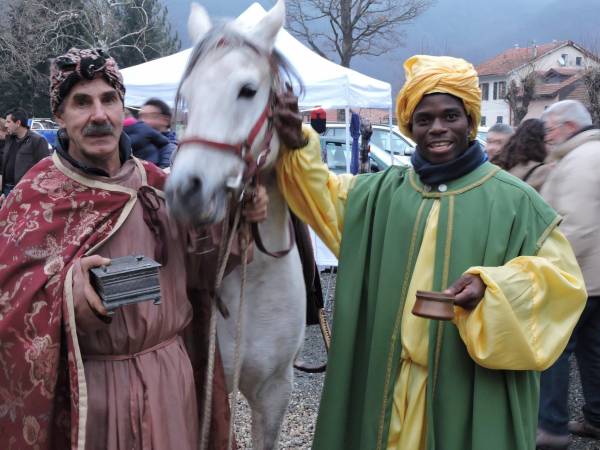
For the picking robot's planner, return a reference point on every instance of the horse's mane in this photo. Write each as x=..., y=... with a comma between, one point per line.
x=283, y=72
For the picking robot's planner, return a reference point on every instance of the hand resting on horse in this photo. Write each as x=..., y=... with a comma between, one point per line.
x=288, y=120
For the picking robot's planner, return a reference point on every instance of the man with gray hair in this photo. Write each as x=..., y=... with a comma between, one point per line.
x=573, y=189
x=497, y=137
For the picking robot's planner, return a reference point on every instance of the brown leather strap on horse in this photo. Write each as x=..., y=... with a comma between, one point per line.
x=261, y=246
x=315, y=314
x=326, y=333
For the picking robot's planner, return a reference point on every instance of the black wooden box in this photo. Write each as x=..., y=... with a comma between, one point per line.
x=130, y=279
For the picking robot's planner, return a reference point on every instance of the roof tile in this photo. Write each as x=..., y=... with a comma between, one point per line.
x=512, y=58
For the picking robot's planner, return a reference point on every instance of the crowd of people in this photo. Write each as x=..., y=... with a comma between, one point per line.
x=521, y=266
x=558, y=155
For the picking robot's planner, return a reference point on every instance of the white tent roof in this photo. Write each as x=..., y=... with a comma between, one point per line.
x=326, y=84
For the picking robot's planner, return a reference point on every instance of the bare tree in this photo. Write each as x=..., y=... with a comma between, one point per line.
x=350, y=28
x=131, y=30
x=520, y=92
x=591, y=76
x=107, y=24
x=591, y=80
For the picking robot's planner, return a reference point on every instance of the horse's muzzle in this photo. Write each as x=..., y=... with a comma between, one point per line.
x=189, y=204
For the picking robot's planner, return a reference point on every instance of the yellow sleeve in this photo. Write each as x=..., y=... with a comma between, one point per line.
x=529, y=310
x=316, y=195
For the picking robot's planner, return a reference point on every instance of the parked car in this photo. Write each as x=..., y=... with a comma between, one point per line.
x=338, y=156
x=380, y=155
x=46, y=127
x=482, y=134
x=401, y=144
x=381, y=160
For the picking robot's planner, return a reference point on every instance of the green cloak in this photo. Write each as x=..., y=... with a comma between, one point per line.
x=486, y=218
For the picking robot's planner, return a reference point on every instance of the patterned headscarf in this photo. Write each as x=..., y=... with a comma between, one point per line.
x=438, y=75
x=76, y=65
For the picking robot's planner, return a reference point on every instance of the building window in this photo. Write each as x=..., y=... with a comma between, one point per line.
x=483, y=120
x=499, y=119
x=564, y=57
x=501, y=89
x=485, y=91
x=578, y=60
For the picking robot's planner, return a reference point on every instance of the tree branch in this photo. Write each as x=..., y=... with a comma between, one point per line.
x=354, y=27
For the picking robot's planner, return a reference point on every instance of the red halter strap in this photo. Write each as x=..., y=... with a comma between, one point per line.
x=242, y=150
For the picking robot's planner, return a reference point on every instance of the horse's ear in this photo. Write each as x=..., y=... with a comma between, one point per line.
x=266, y=30
x=198, y=23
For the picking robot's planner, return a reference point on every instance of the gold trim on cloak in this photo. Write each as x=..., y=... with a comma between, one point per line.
x=68, y=286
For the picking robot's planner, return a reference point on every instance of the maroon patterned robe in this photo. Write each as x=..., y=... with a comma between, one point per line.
x=51, y=218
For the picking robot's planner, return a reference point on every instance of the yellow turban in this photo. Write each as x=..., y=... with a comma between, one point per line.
x=438, y=75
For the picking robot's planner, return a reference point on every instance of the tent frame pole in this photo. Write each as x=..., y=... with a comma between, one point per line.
x=347, y=117
x=390, y=122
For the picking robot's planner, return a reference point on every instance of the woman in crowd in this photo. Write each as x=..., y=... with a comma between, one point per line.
x=524, y=154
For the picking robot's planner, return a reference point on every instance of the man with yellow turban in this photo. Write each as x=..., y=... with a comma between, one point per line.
x=454, y=223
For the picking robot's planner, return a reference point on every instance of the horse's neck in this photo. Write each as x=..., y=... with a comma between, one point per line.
x=274, y=230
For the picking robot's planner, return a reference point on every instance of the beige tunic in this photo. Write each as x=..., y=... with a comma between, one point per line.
x=139, y=377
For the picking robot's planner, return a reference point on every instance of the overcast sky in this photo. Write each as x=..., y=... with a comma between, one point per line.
x=472, y=29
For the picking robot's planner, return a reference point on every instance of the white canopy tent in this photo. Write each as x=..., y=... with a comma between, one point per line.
x=326, y=84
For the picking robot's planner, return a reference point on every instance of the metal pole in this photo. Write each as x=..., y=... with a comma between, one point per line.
x=348, y=138
x=390, y=125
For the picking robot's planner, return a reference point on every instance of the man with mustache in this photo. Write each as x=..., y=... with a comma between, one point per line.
x=453, y=223
x=71, y=375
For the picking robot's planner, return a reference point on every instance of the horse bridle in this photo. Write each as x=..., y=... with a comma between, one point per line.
x=243, y=150
x=250, y=174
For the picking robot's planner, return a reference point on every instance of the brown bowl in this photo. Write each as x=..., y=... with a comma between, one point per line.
x=434, y=305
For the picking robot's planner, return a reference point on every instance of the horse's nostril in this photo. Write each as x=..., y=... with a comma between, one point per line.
x=196, y=183
x=192, y=187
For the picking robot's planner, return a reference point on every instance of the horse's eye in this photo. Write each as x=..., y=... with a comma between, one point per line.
x=247, y=91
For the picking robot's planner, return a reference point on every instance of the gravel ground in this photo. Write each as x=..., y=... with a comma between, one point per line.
x=299, y=423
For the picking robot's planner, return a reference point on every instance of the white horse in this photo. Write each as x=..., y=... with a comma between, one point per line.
x=227, y=88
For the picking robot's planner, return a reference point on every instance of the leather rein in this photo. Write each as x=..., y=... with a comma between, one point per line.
x=251, y=173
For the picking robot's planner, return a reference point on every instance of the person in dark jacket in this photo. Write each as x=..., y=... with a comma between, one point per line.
x=158, y=115
x=147, y=143
x=3, y=133
x=22, y=149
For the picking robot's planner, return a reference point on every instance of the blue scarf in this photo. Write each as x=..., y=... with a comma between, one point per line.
x=435, y=174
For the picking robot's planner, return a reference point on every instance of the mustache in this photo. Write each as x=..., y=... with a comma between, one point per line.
x=97, y=130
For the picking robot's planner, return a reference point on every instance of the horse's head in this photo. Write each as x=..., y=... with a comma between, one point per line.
x=228, y=89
